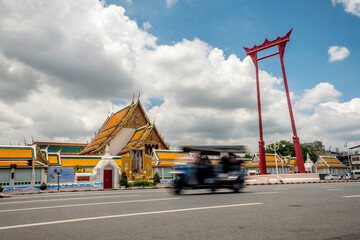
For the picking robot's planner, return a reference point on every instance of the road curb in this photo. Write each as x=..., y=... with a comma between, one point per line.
x=321, y=181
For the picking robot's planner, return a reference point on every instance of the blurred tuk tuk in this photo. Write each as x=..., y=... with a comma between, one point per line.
x=211, y=167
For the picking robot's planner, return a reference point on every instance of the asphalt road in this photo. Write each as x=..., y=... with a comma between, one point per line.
x=292, y=211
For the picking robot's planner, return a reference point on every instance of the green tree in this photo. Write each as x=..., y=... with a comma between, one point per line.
x=156, y=178
x=247, y=155
x=123, y=180
x=286, y=148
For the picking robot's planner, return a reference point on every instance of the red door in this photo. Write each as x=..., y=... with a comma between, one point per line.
x=107, y=179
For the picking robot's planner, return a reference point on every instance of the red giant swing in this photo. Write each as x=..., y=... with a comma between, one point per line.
x=252, y=52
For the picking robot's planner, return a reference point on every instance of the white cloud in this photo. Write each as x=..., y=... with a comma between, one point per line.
x=170, y=3
x=60, y=71
x=338, y=53
x=323, y=92
x=351, y=6
x=74, y=50
x=334, y=122
x=146, y=25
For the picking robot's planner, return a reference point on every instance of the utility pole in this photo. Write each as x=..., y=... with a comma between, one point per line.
x=33, y=174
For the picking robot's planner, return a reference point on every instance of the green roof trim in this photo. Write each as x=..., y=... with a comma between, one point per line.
x=62, y=148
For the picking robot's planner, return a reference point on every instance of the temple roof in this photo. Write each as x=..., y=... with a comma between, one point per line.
x=18, y=155
x=132, y=116
x=9, y=152
x=329, y=162
x=169, y=157
x=138, y=138
x=20, y=163
x=290, y=160
x=112, y=124
x=63, y=148
x=271, y=161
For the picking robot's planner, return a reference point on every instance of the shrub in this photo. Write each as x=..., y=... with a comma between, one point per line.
x=1, y=189
x=142, y=183
x=124, y=180
x=156, y=178
x=43, y=186
x=78, y=169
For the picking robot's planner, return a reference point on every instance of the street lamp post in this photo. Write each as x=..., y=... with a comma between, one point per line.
x=58, y=173
x=275, y=147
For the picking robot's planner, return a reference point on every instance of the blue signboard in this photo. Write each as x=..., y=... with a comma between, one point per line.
x=66, y=174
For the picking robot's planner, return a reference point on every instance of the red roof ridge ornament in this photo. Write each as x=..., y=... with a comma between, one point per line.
x=268, y=44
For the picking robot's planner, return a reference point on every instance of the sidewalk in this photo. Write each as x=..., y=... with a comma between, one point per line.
x=264, y=180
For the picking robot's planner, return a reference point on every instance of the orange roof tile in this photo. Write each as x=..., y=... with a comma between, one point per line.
x=137, y=134
x=16, y=153
x=19, y=164
x=103, y=134
x=116, y=119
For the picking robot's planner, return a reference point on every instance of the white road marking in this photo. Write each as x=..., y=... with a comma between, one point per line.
x=49, y=195
x=351, y=196
x=266, y=192
x=67, y=199
x=52, y=195
x=125, y=215
x=86, y=204
x=333, y=189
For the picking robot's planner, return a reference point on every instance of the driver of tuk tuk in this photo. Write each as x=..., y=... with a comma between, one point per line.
x=229, y=163
x=204, y=168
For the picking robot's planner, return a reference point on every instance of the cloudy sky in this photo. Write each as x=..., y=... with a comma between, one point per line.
x=64, y=65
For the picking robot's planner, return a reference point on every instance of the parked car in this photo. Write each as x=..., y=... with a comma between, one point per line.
x=356, y=174
x=332, y=177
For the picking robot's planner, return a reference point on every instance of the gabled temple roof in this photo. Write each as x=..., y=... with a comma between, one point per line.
x=112, y=125
x=123, y=119
x=329, y=162
x=271, y=161
x=138, y=138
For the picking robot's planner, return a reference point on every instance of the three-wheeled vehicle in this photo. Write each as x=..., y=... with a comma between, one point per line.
x=211, y=167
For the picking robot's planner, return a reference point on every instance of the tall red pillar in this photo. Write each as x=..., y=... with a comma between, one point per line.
x=281, y=43
x=261, y=141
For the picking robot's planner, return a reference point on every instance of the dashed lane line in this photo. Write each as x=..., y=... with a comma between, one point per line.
x=86, y=204
x=50, y=195
x=126, y=215
x=266, y=192
x=351, y=196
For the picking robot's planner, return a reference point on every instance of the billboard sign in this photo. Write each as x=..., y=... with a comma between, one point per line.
x=67, y=174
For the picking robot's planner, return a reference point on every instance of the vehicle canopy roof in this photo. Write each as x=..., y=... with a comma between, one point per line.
x=216, y=149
